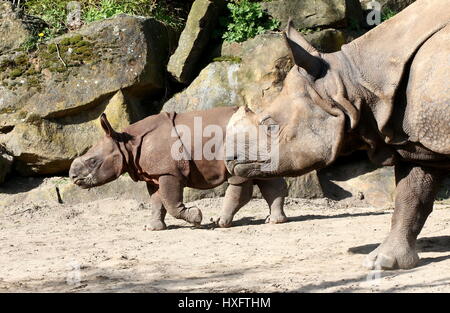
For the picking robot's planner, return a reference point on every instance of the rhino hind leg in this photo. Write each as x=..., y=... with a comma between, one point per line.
x=415, y=194
x=273, y=191
x=171, y=193
x=158, y=212
x=236, y=196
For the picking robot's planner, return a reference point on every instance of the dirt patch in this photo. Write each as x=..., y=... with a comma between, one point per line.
x=103, y=246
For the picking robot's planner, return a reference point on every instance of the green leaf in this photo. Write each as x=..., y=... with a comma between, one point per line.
x=247, y=19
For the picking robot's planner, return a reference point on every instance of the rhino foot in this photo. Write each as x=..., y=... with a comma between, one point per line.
x=392, y=254
x=223, y=222
x=276, y=219
x=156, y=225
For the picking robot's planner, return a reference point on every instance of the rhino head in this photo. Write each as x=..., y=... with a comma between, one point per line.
x=309, y=115
x=102, y=163
x=332, y=104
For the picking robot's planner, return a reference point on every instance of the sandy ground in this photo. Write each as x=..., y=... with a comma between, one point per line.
x=103, y=246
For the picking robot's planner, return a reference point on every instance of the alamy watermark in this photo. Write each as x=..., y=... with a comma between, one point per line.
x=73, y=277
x=206, y=142
x=374, y=16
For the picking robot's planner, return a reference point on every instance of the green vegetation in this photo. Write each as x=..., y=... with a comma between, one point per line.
x=52, y=12
x=387, y=14
x=354, y=25
x=31, y=43
x=109, y=8
x=246, y=20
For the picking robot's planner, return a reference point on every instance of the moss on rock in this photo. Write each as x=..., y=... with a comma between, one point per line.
x=75, y=39
x=15, y=73
x=74, y=51
x=228, y=58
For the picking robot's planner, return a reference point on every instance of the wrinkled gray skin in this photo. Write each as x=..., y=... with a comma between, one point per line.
x=388, y=93
x=144, y=151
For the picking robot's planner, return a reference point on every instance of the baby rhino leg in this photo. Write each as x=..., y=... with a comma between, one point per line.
x=236, y=197
x=158, y=212
x=273, y=191
x=171, y=193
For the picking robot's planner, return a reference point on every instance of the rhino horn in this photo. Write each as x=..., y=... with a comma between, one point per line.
x=107, y=126
x=302, y=53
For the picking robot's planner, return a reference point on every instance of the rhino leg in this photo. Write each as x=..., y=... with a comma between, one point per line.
x=236, y=196
x=171, y=193
x=273, y=191
x=415, y=193
x=158, y=212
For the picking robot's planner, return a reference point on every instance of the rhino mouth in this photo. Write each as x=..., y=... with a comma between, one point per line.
x=232, y=164
x=80, y=182
x=248, y=168
x=84, y=182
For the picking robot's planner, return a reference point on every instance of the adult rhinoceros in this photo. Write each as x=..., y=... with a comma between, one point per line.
x=387, y=92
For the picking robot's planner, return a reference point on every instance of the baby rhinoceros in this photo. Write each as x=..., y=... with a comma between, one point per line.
x=153, y=151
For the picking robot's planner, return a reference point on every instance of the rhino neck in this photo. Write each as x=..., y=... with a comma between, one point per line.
x=342, y=89
x=128, y=164
x=366, y=77
x=381, y=57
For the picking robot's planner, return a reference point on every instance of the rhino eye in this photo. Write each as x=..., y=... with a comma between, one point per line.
x=267, y=120
x=91, y=162
x=270, y=123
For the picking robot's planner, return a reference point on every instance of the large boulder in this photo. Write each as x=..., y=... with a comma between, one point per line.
x=328, y=40
x=18, y=27
x=242, y=75
x=50, y=100
x=315, y=13
x=183, y=64
x=78, y=69
x=20, y=190
x=48, y=146
x=306, y=186
x=249, y=73
x=215, y=86
x=264, y=63
x=358, y=177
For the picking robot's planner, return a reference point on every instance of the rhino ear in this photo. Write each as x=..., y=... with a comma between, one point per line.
x=107, y=126
x=302, y=53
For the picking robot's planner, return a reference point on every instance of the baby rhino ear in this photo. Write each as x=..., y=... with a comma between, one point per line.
x=107, y=127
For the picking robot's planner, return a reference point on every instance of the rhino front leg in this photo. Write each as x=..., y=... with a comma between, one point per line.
x=171, y=193
x=273, y=191
x=158, y=212
x=415, y=193
x=236, y=196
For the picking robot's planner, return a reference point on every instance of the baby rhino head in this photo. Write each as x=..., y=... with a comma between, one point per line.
x=102, y=163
